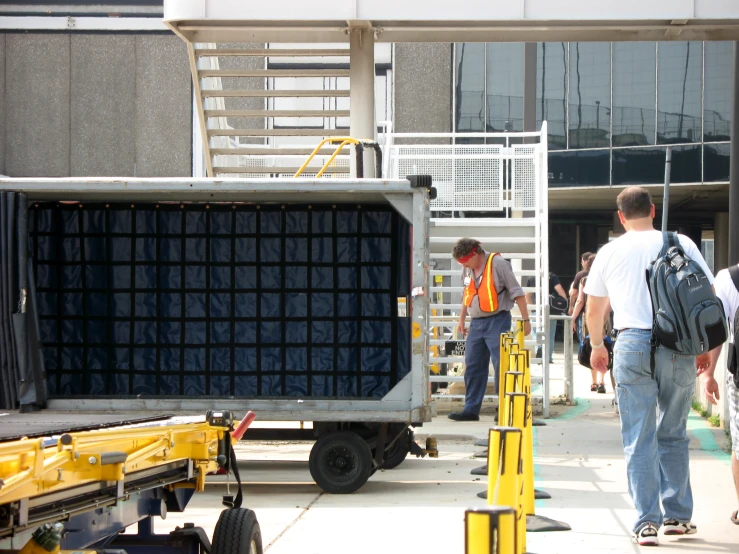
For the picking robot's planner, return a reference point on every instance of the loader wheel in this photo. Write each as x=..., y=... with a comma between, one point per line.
x=340, y=462
x=398, y=451
x=237, y=532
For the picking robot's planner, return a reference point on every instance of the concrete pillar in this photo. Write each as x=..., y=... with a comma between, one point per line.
x=734, y=168
x=362, y=93
x=720, y=241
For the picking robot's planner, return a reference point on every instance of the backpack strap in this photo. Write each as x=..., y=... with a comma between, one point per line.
x=734, y=272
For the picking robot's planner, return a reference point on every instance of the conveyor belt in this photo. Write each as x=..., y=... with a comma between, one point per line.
x=15, y=426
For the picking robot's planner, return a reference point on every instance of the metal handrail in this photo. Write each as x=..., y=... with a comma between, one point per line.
x=359, y=151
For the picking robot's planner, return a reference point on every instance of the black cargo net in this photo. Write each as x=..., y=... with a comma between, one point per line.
x=222, y=300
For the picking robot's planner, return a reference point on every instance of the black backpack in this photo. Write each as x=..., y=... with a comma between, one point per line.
x=733, y=357
x=688, y=317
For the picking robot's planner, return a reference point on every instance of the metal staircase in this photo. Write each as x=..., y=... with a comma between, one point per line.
x=506, y=183
x=261, y=110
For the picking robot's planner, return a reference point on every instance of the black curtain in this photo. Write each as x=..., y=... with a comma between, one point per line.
x=21, y=366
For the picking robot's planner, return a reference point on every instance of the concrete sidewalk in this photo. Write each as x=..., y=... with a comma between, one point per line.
x=420, y=505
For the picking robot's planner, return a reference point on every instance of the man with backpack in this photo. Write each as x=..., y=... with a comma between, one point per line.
x=727, y=289
x=654, y=383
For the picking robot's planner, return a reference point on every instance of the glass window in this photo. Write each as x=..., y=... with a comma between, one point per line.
x=686, y=164
x=551, y=90
x=504, y=87
x=679, y=92
x=579, y=168
x=634, y=94
x=716, y=162
x=470, y=87
x=590, y=94
x=717, y=91
x=638, y=166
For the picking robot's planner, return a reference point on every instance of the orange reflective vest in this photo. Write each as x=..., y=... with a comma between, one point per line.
x=487, y=293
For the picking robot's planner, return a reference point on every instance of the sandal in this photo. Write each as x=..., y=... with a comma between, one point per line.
x=735, y=518
x=593, y=387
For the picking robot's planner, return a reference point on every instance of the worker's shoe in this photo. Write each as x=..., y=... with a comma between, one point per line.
x=463, y=416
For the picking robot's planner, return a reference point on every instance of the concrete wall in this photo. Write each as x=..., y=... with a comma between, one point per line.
x=37, y=105
x=95, y=105
x=423, y=87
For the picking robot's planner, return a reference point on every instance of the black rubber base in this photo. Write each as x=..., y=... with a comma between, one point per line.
x=482, y=470
x=539, y=423
x=481, y=454
x=539, y=524
x=541, y=495
x=482, y=442
x=483, y=494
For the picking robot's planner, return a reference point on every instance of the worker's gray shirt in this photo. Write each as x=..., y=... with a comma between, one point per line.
x=506, y=286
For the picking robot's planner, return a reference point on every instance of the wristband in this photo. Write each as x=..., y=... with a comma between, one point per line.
x=596, y=345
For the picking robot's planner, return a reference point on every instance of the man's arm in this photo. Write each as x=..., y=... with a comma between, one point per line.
x=710, y=385
x=559, y=290
x=521, y=302
x=462, y=319
x=596, y=314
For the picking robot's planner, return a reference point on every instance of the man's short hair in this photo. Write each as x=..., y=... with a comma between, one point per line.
x=465, y=247
x=585, y=256
x=634, y=202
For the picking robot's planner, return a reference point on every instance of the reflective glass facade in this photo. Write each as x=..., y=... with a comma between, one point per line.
x=610, y=107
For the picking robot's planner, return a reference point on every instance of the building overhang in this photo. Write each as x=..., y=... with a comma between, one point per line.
x=465, y=21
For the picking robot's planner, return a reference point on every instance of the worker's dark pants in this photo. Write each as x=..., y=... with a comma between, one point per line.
x=483, y=345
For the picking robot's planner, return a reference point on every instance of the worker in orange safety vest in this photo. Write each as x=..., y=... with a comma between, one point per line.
x=491, y=289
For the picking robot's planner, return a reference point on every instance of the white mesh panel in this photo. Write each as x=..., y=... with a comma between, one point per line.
x=524, y=177
x=434, y=161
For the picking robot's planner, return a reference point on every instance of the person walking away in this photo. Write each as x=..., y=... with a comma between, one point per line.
x=653, y=401
x=580, y=325
x=727, y=289
x=491, y=290
x=575, y=286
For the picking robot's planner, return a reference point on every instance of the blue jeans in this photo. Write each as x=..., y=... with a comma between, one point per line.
x=654, y=415
x=482, y=346
x=578, y=323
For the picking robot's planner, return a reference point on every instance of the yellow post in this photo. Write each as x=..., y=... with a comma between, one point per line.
x=490, y=530
x=518, y=402
x=520, y=337
x=504, y=466
x=502, y=369
x=513, y=382
x=528, y=437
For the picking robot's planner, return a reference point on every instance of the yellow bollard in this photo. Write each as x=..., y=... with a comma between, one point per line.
x=490, y=530
x=518, y=405
x=520, y=337
x=504, y=472
x=513, y=382
x=502, y=369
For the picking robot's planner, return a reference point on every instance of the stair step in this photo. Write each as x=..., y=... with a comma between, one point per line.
x=494, y=240
x=277, y=132
x=274, y=93
x=281, y=170
x=272, y=52
x=276, y=113
x=273, y=73
x=276, y=152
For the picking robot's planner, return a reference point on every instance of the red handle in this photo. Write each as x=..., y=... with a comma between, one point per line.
x=244, y=425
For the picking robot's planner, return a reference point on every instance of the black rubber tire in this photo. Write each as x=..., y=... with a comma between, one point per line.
x=237, y=532
x=340, y=462
x=398, y=451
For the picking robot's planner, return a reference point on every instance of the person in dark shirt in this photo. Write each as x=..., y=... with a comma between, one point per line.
x=555, y=287
x=575, y=286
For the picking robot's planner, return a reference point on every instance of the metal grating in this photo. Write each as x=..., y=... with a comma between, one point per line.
x=466, y=177
x=524, y=182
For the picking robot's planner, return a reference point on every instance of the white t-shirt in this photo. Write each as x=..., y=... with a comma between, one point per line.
x=619, y=272
x=728, y=294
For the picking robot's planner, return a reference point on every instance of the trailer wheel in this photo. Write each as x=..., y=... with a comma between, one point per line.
x=340, y=462
x=398, y=451
x=237, y=532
